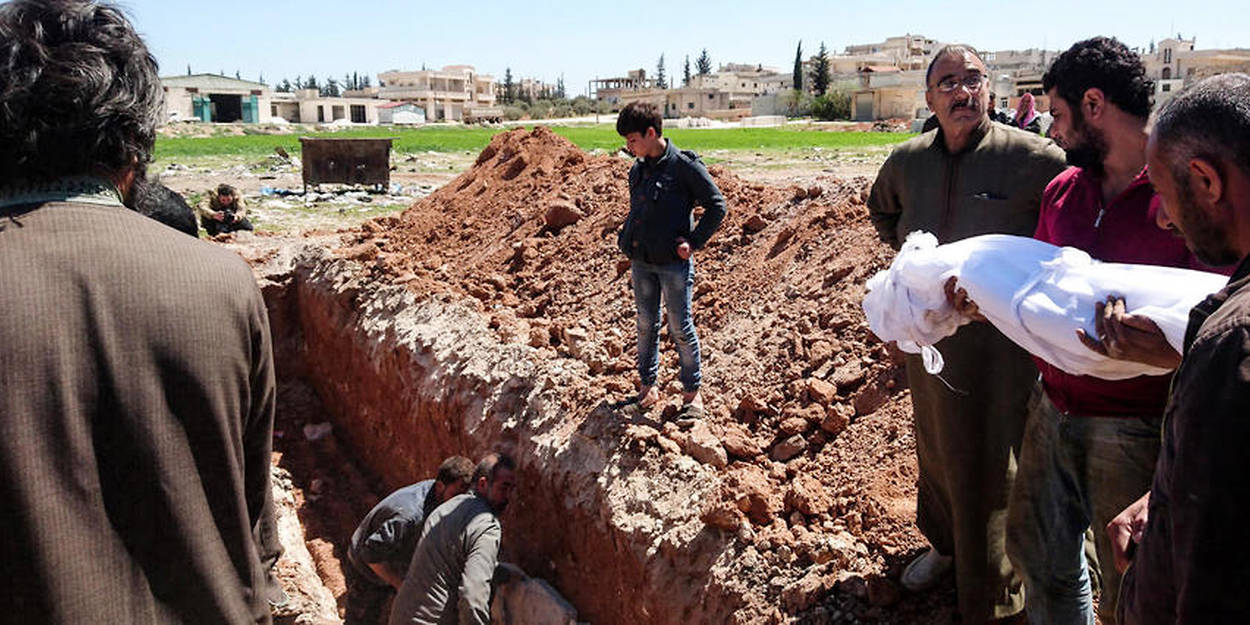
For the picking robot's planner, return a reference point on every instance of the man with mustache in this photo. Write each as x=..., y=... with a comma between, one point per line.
x=968, y=177
x=1090, y=445
x=1192, y=555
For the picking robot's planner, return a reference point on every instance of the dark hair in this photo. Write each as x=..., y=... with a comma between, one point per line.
x=455, y=469
x=79, y=91
x=954, y=49
x=638, y=117
x=225, y=189
x=490, y=465
x=155, y=200
x=1101, y=63
x=1209, y=120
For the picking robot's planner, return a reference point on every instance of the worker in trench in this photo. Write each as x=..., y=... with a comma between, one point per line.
x=382, y=545
x=967, y=177
x=137, y=388
x=449, y=578
x=659, y=237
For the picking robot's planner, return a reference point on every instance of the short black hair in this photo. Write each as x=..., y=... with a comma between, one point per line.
x=638, y=117
x=79, y=91
x=1209, y=120
x=954, y=49
x=1101, y=63
x=225, y=189
x=155, y=200
x=491, y=464
x=455, y=469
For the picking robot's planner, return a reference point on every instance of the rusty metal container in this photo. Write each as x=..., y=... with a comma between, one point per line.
x=348, y=161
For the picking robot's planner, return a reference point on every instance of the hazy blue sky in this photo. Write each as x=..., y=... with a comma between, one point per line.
x=544, y=39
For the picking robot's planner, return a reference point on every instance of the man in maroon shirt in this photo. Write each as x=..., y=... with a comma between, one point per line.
x=1090, y=445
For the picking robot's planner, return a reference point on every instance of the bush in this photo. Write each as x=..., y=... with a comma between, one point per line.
x=582, y=105
x=795, y=103
x=540, y=109
x=835, y=104
x=513, y=113
x=562, y=110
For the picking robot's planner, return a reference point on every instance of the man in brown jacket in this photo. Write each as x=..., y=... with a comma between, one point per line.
x=968, y=177
x=1192, y=559
x=136, y=373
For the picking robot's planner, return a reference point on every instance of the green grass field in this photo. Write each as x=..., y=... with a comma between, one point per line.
x=454, y=139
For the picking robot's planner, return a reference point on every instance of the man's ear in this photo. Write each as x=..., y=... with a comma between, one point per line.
x=1206, y=182
x=1093, y=103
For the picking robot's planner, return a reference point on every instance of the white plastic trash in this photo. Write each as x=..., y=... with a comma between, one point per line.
x=1035, y=293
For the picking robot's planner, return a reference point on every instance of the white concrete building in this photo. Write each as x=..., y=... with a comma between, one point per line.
x=215, y=98
x=450, y=94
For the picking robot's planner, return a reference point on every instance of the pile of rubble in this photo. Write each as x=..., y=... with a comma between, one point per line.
x=807, y=438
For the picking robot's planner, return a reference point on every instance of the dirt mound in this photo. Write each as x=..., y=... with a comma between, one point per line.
x=808, y=424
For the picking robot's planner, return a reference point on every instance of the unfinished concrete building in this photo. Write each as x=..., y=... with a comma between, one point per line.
x=453, y=93
x=216, y=98
x=610, y=90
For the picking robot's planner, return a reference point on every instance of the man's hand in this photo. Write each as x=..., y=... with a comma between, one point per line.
x=219, y=216
x=683, y=248
x=1128, y=337
x=1126, y=529
x=959, y=299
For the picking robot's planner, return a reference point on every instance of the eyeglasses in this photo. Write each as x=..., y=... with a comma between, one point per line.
x=973, y=82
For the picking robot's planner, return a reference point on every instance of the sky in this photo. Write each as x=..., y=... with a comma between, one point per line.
x=546, y=39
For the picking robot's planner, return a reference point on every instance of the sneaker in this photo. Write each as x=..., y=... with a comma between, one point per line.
x=925, y=570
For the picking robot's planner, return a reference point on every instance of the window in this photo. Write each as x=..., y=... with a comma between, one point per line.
x=1167, y=87
x=1167, y=73
x=1167, y=55
x=690, y=105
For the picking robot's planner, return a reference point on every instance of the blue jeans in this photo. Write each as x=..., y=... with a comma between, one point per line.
x=1075, y=472
x=675, y=281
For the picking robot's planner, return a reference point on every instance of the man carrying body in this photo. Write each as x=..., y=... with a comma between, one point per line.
x=968, y=177
x=383, y=544
x=1192, y=556
x=1090, y=445
x=136, y=371
x=223, y=211
x=659, y=237
x=448, y=581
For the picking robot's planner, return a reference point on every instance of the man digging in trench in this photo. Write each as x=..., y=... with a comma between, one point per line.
x=659, y=237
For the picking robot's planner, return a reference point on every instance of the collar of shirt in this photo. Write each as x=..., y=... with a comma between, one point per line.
x=974, y=140
x=669, y=150
x=82, y=189
x=1199, y=314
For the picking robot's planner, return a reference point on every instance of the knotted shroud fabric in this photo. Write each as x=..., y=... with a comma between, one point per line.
x=1035, y=293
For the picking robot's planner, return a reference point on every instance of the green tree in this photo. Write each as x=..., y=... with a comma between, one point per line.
x=311, y=83
x=188, y=69
x=331, y=89
x=685, y=73
x=366, y=82
x=284, y=86
x=820, y=71
x=560, y=88
x=509, y=93
x=703, y=64
x=798, y=67
x=661, y=79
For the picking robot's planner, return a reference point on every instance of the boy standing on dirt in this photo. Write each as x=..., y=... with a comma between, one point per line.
x=660, y=236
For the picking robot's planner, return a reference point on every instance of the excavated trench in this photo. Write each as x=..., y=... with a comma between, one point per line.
x=470, y=324
x=406, y=381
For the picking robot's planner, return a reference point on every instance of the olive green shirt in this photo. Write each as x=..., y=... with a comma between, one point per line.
x=992, y=187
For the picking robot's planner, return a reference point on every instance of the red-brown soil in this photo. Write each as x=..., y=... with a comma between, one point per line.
x=808, y=423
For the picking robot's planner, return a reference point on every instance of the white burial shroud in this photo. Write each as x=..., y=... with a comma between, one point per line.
x=1035, y=293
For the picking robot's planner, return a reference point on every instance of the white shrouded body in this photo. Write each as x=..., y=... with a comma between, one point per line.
x=1035, y=293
